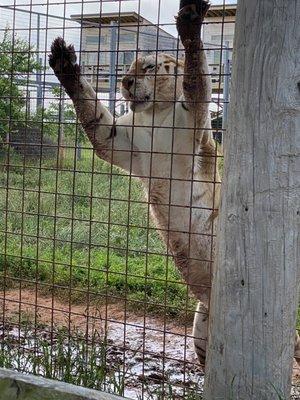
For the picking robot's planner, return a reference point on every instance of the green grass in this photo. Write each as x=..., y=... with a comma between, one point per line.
x=79, y=258
x=51, y=240
x=69, y=359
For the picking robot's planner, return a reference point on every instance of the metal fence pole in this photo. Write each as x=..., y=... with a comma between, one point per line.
x=112, y=66
x=61, y=136
x=226, y=85
x=39, y=97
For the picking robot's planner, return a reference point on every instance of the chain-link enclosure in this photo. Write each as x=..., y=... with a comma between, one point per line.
x=99, y=257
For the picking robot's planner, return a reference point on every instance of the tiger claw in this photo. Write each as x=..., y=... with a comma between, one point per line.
x=189, y=13
x=62, y=60
x=61, y=55
x=194, y=8
x=190, y=19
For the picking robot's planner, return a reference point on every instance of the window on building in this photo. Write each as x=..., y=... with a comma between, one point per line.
x=120, y=57
x=103, y=58
x=127, y=38
x=128, y=57
x=95, y=39
x=91, y=58
x=125, y=57
x=217, y=57
x=222, y=39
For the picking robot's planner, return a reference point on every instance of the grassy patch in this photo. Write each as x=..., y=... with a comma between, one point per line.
x=88, y=230
x=68, y=359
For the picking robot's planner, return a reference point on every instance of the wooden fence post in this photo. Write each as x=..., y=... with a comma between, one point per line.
x=256, y=278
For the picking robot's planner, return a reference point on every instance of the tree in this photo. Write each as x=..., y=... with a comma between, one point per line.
x=17, y=62
x=59, y=122
x=61, y=113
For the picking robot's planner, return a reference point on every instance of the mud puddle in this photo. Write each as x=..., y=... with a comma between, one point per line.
x=145, y=357
x=150, y=357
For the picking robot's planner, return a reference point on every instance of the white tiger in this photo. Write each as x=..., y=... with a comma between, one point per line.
x=166, y=142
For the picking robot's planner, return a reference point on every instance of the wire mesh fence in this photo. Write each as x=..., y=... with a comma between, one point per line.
x=93, y=239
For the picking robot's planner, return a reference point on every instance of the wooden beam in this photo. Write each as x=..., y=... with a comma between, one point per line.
x=256, y=279
x=17, y=386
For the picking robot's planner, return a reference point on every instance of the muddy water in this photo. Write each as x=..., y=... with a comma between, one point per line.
x=153, y=356
x=149, y=363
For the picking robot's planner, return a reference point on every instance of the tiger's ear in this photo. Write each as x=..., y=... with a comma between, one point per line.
x=175, y=60
x=168, y=57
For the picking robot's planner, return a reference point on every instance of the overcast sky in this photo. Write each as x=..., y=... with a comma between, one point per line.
x=148, y=8
x=25, y=24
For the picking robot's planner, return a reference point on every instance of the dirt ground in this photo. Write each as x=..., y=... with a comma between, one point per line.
x=50, y=310
x=155, y=349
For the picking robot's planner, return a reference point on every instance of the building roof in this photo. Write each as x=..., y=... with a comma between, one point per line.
x=107, y=18
x=118, y=17
x=226, y=10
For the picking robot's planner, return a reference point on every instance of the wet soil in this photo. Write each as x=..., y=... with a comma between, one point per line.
x=152, y=351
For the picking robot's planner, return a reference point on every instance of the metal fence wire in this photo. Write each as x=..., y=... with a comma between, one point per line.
x=91, y=248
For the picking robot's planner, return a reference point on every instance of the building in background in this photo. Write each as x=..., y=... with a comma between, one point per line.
x=218, y=33
x=111, y=41
x=218, y=38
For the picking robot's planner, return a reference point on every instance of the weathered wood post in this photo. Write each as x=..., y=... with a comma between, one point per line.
x=256, y=281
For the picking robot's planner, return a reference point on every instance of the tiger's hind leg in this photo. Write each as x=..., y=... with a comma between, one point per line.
x=200, y=332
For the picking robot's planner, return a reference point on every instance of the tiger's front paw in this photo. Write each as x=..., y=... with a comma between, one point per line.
x=190, y=18
x=201, y=6
x=62, y=60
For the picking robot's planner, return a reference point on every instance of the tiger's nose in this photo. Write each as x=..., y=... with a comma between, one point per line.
x=127, y=82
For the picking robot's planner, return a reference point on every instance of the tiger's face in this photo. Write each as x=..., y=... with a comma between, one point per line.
x=153, y=80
